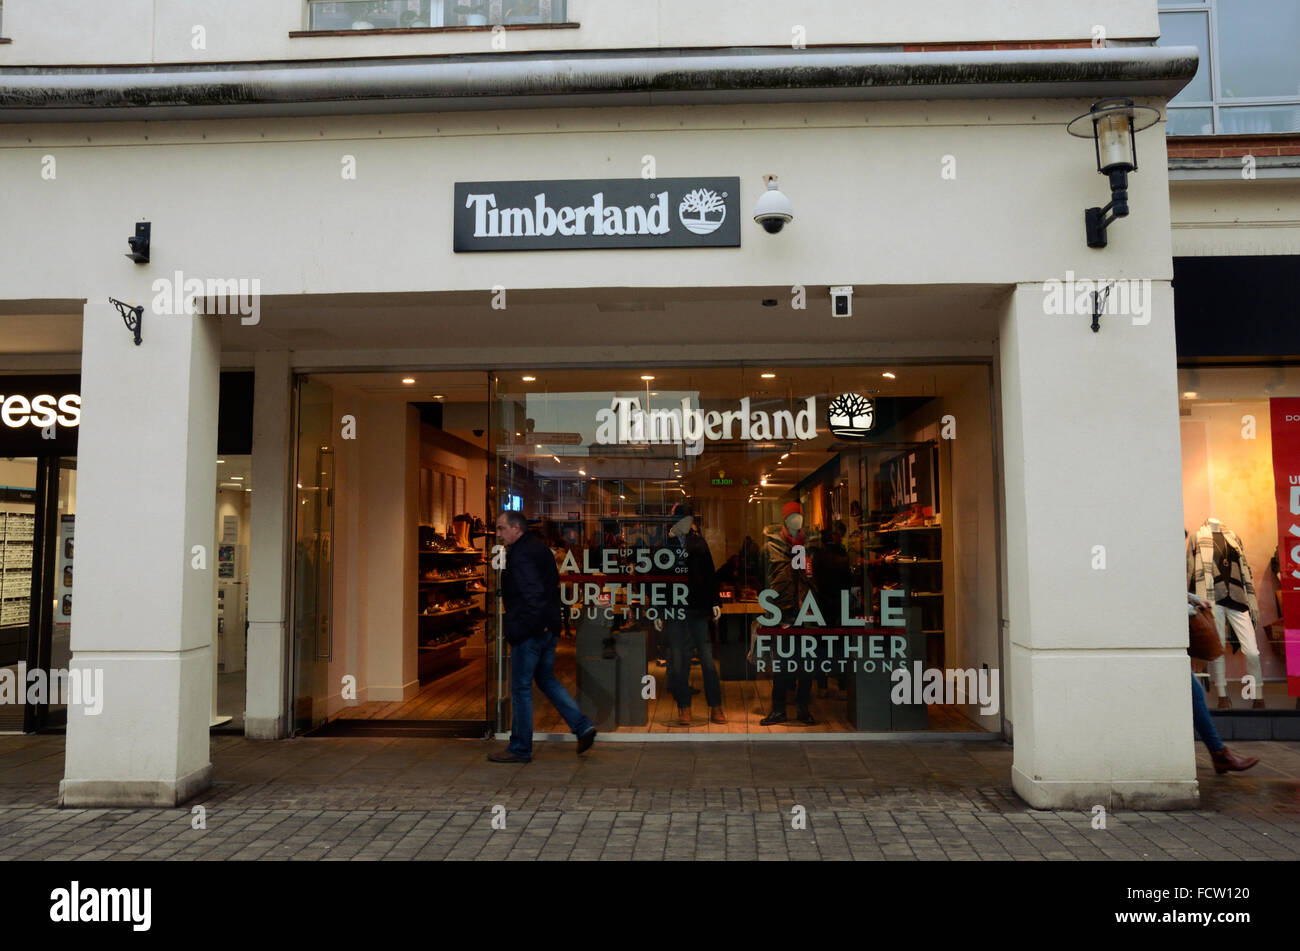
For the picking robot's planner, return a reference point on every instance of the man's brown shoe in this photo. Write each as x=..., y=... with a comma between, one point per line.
x=1225, y=703
x=1227, y=761
x=683, y=716
x=716, y=715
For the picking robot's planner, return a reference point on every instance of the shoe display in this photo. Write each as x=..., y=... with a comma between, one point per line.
x=772, y=718
x=585, y=741
x=1226, y=761
x=717, y=715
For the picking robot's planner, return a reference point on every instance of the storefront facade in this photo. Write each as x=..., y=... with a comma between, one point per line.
x=1003, y=428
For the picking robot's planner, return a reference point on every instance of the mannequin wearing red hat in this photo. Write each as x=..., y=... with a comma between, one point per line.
x=690, y=634
x=791, y=586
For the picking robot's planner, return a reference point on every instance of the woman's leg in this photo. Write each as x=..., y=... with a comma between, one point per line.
x=1202, y=720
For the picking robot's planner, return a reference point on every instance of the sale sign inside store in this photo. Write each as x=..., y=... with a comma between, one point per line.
x=1285, y=417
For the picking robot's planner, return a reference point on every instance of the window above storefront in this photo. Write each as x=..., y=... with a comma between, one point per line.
x=325, y=15
x=1249, y=76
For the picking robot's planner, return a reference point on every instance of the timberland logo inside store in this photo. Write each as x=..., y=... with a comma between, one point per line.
x=625, y=423
x=609, y=213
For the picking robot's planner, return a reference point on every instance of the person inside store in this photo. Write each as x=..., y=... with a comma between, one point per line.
x=559, y=551
x=729, y=573
x=690, y=635
x=530, y=587
x=1224, y=759
x=831, y=577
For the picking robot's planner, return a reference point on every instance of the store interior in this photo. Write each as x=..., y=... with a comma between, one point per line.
x=1229, y=466
x=907, y=506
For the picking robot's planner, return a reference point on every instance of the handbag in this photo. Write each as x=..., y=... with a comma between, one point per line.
x=1203, y=636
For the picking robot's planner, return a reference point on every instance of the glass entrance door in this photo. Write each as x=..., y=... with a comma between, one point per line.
x=18, y=508
x=313, y=553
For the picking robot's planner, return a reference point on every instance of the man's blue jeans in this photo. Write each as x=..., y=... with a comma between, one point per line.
x=534, y=659
x=1202, y=720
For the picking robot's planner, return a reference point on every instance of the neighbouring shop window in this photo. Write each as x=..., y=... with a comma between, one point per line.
x=1248, y=80
x=843, y=531
x=1240, y=432
x=416, y=14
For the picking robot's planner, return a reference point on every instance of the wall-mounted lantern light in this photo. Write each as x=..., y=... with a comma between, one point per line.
x=1112, y=124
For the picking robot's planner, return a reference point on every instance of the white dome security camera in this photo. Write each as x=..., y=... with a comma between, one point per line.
x=773, y=210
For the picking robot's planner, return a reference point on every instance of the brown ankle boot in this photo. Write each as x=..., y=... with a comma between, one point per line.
x=683, y=716
x=716, y=715
x=1227, y=761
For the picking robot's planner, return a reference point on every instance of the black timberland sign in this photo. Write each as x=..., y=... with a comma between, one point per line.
x=597, y=213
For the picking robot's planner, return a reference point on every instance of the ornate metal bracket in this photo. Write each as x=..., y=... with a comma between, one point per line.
x=1099, y=304
x=133, y=317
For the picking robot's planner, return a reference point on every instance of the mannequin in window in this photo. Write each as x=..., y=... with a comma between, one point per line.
x=791, y=586
x=1217, y=571
x=690, y=635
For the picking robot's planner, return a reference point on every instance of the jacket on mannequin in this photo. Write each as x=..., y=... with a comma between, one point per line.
x=791, y=585
x=1204, y=578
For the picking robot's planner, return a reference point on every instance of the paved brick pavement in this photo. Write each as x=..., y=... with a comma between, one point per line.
x=345, y=798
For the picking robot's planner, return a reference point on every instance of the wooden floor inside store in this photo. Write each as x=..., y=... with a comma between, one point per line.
x=459, y=694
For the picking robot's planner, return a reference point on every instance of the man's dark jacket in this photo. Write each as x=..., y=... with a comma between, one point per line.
x=530, y=586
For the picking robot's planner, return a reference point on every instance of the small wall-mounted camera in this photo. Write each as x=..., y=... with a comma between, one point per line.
x=478, y=432
x=140, y=243
x=842, y=301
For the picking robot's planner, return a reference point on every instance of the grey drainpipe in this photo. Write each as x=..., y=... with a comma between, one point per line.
x=561, y=80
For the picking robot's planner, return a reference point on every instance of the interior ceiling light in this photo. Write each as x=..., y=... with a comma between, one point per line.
x=530, y=379
x=785, y=455
x=888, y=376
x=437, y=396
x=646, y=377
x=768, y=376
x=556, y=458
x=582, y=472
x=1190, y=395
x=221, y=462
x=408, y=380
x=237, y=478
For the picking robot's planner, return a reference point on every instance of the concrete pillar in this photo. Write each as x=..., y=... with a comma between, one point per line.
x=144, y=597
x=1099, y=668
x=271, y=534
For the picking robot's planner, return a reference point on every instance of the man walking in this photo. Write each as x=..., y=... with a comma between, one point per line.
x=530, y=587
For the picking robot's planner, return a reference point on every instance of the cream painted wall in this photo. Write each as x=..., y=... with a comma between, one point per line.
x=163, y=31
x=1258, y=216
x=870, y=205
